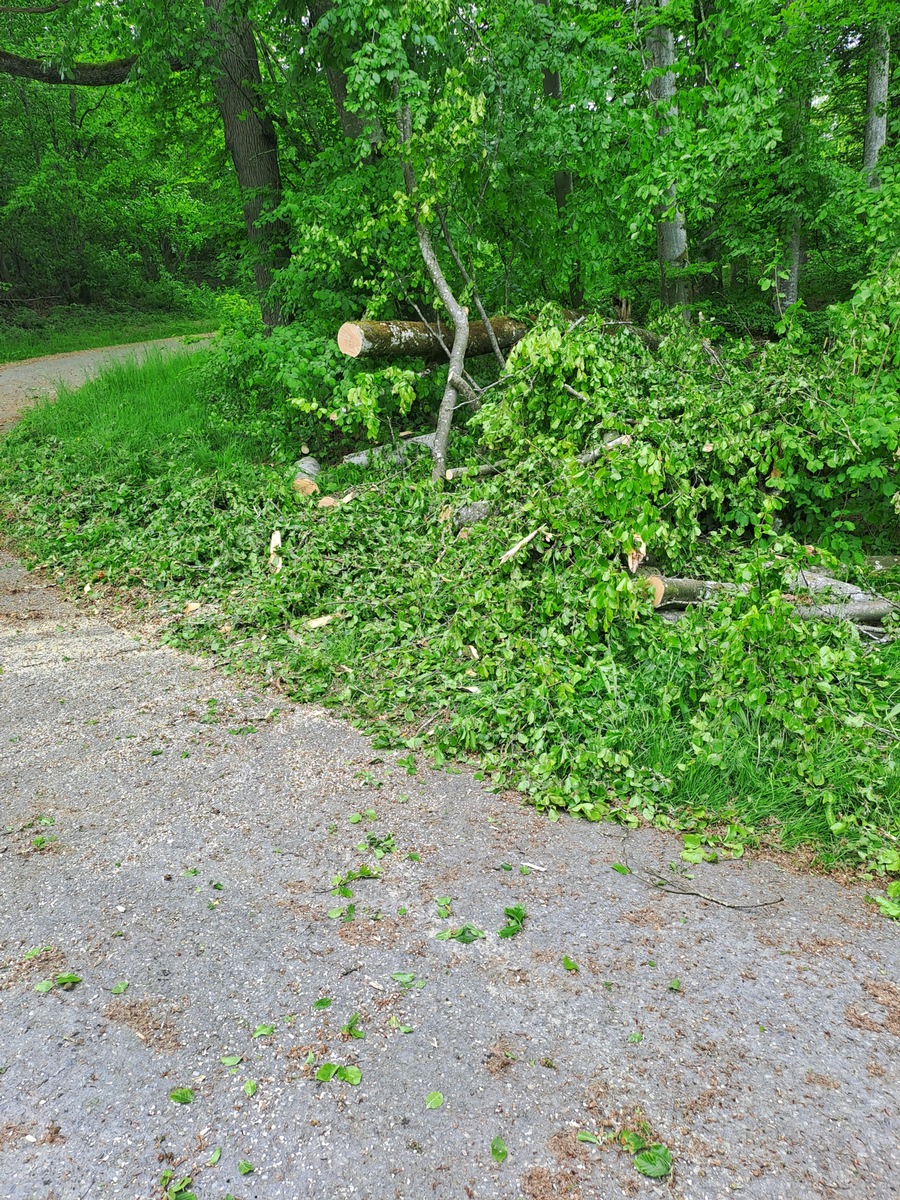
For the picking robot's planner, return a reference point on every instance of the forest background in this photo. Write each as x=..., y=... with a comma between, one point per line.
x=695, y=210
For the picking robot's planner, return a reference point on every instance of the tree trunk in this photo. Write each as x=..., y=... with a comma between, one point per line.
x=353, y=125
x=252, y=144
x=415, y=339
x=790, y=293
x=671, y=231
x=459, y=315
x=562, y=180
x=876, y=99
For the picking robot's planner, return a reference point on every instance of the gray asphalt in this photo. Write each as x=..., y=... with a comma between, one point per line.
x=199, y=823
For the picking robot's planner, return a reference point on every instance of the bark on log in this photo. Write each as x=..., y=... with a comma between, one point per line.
x=860, y=612
x=414, y=339
x=671, y=593
x=473, y=472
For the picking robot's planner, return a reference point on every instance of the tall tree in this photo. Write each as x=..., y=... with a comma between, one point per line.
x=252, y=144
x=876, y=98
x=671, y=230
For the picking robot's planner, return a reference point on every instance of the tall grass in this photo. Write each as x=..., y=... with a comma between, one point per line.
x=138, y=419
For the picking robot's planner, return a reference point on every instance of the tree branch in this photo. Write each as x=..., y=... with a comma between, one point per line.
x=79, y=74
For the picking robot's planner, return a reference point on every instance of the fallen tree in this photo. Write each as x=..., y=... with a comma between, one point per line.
x=839, y=601
x=418, y=339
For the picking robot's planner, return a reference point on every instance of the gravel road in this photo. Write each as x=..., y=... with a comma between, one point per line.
x=21, y=383
x=179, y=831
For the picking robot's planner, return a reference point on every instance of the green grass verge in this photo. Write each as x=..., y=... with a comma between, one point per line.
x=740, y=724
x=71, y=329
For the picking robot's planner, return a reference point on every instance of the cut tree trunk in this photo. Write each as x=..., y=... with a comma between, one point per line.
x=415, y=339
x=876, y=99
x=676, y=593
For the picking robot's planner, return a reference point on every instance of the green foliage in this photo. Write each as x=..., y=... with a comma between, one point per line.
x=740, y=722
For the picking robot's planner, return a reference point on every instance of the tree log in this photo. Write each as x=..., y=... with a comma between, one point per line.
x=414, y=339
x=675, y=592
x=670, y=593
x=860, y=612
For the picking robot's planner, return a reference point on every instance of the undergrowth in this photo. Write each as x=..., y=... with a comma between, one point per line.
x=741, y=723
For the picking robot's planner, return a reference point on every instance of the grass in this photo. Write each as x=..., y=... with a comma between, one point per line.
x=431, y=645
x=73, y=328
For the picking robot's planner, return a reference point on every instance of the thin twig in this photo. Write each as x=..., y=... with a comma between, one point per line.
x=660, y=881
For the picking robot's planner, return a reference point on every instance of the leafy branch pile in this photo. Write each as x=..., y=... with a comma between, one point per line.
x=740, y=721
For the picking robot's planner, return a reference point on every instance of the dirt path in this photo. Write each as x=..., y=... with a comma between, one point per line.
x=21, y=383
x=198, y=828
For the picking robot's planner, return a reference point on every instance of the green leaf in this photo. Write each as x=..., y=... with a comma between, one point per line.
x=467, y=934
x=214, y=1157
x=119, y=988
x=67, y=981
x=263, y=1031
x=583, y=1136
x=192, y=871
x=636, y=1037
x=354, y=818
x=245, y=1167
x=621, y=868
x=181, y=1096
x=655, y=1162
x=323, y=1002
x=631, y=1141
x=674, y=985
x=350, y=1074
x=250, y=1087
x=569, y=963
x=230, y=1060
x=434, y=1100
x=498, y=1150
x=326, y=1072
x=46, y=985
x=35, y=951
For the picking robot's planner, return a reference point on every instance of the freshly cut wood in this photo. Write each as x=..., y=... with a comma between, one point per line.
x=677, y=592
x=415, y=339
x=672, y=593
x=305, y=479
